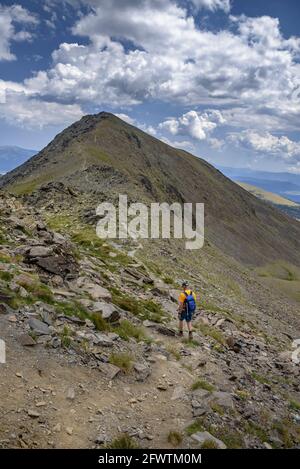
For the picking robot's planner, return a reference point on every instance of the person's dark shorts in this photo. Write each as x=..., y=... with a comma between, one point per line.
x=186, y=316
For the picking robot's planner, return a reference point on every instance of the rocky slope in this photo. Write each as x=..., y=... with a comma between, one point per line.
x=93, y=358
x=101, y=156
x=92, y=354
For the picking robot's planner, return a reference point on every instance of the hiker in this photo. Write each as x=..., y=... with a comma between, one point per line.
x=186, y=309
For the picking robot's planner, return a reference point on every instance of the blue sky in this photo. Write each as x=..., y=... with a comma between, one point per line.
x=218, y=78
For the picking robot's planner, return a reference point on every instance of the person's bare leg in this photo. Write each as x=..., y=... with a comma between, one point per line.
x=180, y=328
x=190, y=329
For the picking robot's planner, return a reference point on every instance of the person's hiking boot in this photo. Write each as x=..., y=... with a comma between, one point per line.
x=180, y=333
x=190, y=335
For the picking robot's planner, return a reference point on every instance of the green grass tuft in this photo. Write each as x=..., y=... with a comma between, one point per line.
x=210, y=331
x=173, y=350
x=256, y=430
x=168, y=280
x=201, y=384
x=76, y=309
x=196, y=426
x=209, y=444
x=295, y=405
x=122, y=442
x=284, y=429
x=6, y=276
x=143, y=309
x=99, y=322
x=5, y=258
x=260, y=379
x=65, y=337
x=124, y=361
x=191, y=342
x=217, y=408
x=243, y=394
x=127, y=329
x=174, y=438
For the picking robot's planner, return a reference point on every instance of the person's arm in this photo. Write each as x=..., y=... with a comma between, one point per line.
x=181, y=303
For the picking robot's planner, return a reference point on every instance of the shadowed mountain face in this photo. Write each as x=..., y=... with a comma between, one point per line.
x=101, y=156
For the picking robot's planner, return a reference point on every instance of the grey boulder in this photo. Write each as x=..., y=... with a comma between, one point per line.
x=205, y=437
x=109, y=312
x=39, y=327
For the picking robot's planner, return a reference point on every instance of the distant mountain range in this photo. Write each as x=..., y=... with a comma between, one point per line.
x=282, y=183
x=12, y=156
x=285, y=205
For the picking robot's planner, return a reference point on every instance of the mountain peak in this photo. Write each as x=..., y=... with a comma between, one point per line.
x=85, y=125
x=101, y=156
x=94, y=119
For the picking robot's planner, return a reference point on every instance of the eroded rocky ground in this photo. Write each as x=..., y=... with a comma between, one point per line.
x=93, y=358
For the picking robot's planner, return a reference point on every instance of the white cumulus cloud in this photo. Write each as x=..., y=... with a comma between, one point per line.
x=25, y=111
x=128, y=56
x=266, y=143
x=14, y=20
x=149, y=129
x=213, y=4
x=252, y=68
x=193, y=124
x=181, y=144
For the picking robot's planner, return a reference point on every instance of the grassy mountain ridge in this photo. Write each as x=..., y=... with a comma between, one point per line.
x=285, y=205
x=268, y=196
x=101, y=155
x=282, y=183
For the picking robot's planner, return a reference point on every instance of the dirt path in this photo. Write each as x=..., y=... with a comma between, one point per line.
x=35, y=410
